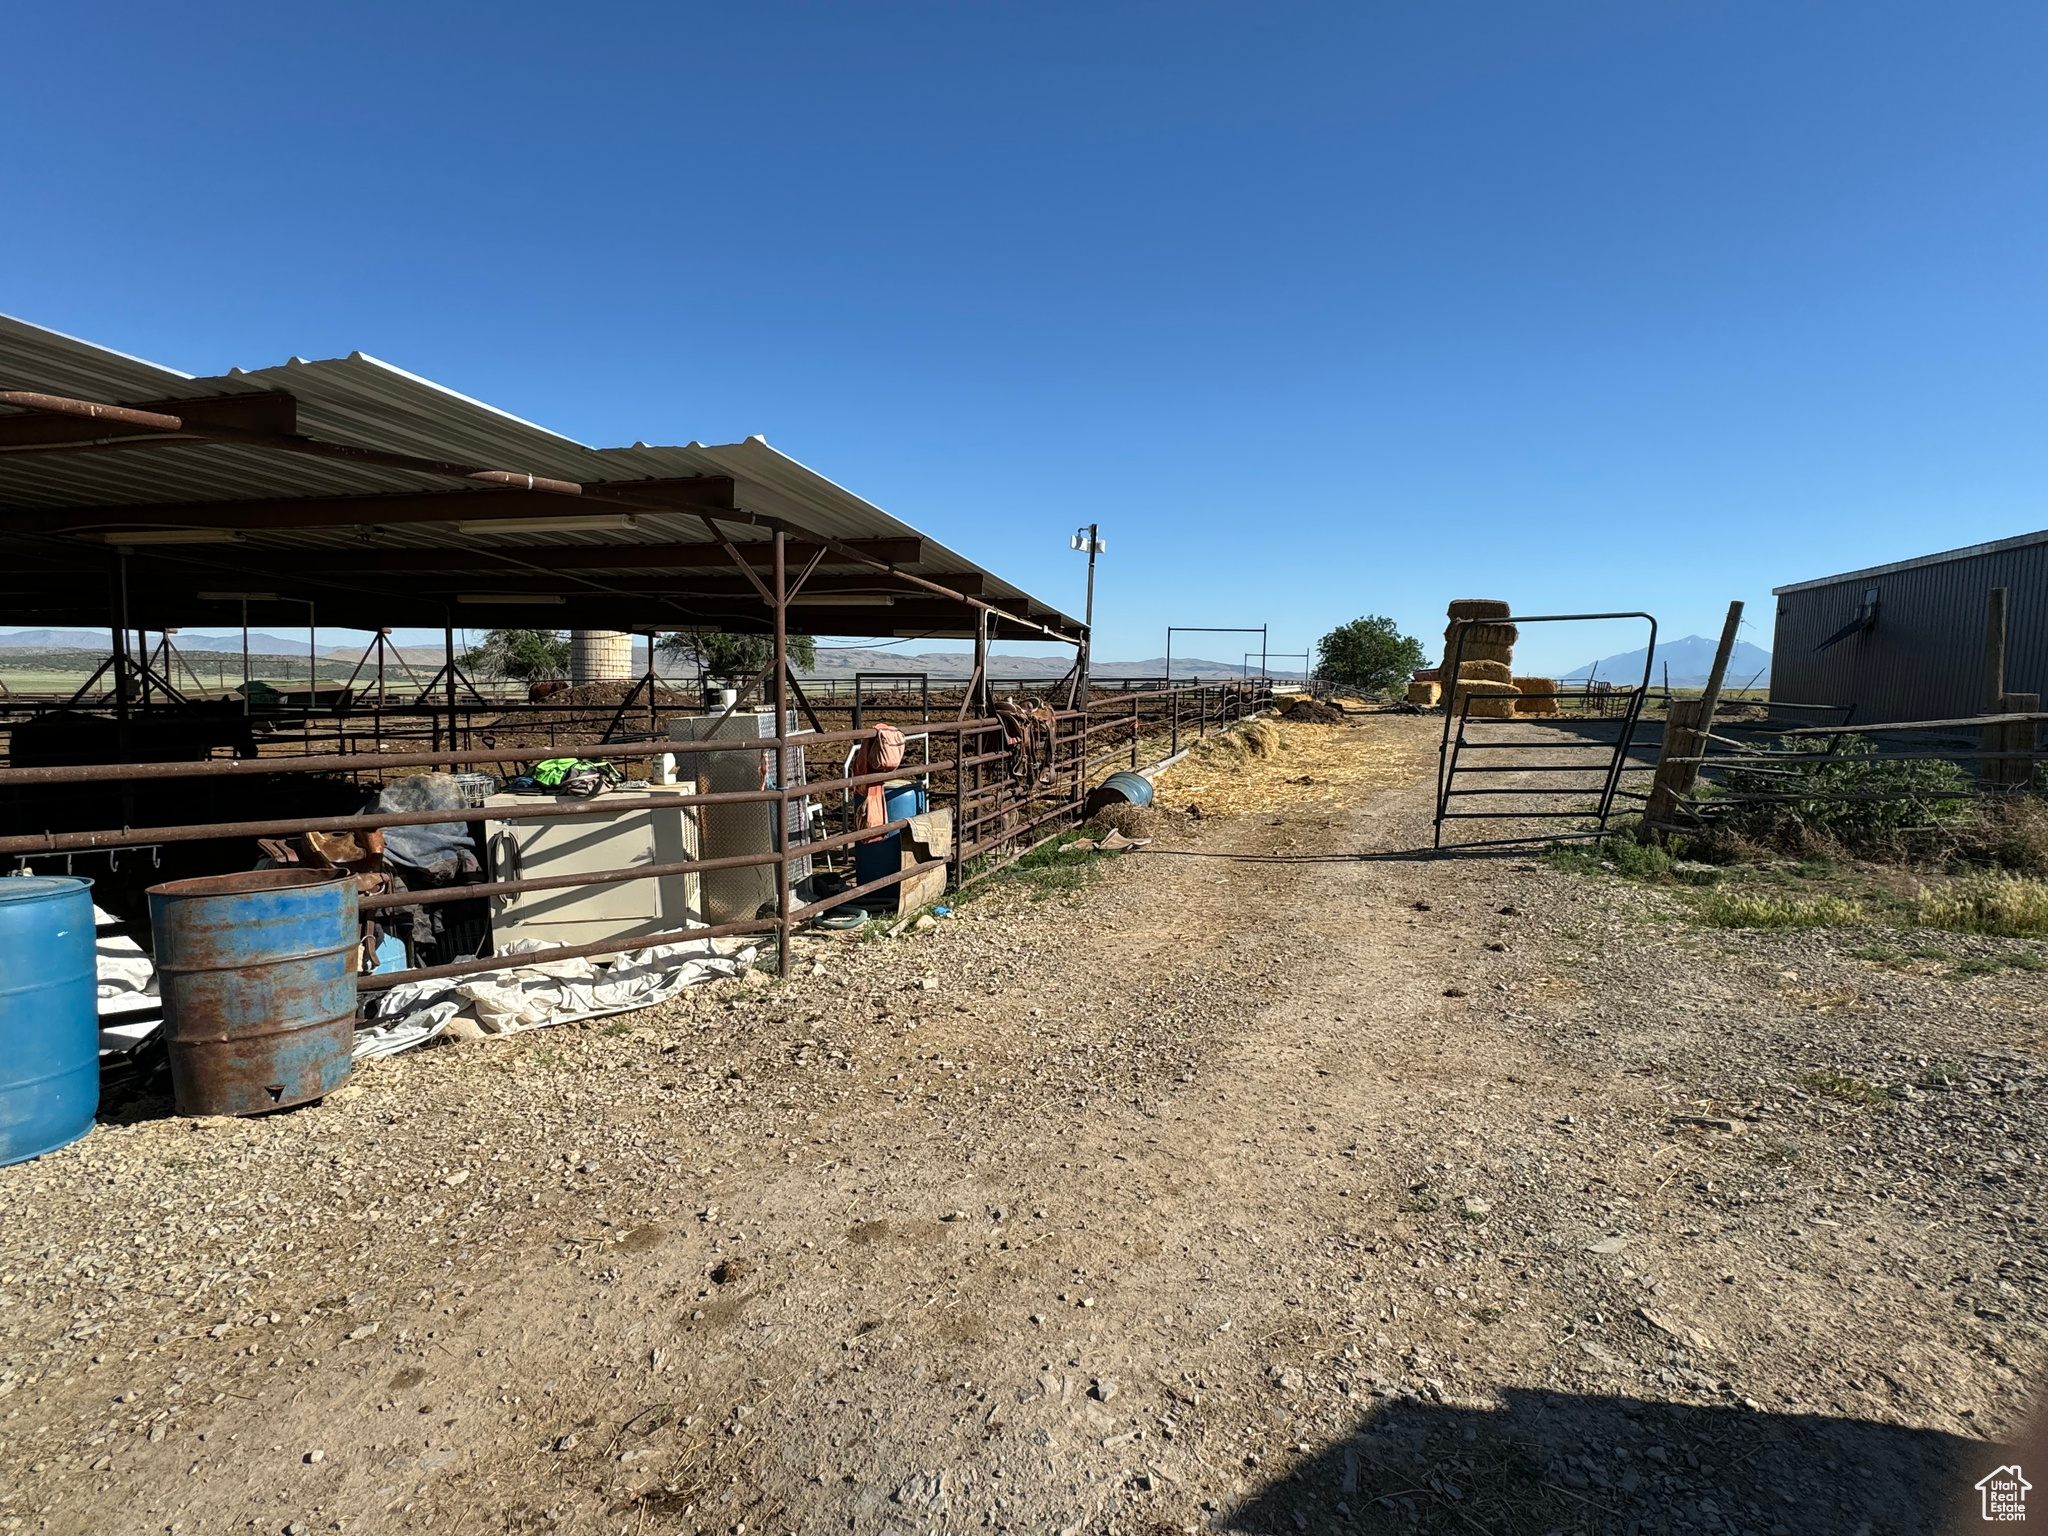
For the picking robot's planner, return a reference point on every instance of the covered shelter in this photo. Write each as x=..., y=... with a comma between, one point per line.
x=135, y=496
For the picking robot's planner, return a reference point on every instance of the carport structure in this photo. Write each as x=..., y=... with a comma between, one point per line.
x=142, y=499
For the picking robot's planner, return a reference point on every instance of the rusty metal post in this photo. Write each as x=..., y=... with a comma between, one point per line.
x=978, y=690
x=781, y=841
x=117, y=601
x=653, y=672
x=448, y=686
x=959, y=805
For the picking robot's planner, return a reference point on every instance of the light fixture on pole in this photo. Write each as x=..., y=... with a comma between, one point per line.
x=1088, y=542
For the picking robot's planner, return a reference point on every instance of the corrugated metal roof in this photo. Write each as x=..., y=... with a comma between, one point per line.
x=361, y=401
x=1918, y=562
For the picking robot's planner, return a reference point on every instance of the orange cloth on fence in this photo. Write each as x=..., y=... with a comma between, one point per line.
x=878, y=754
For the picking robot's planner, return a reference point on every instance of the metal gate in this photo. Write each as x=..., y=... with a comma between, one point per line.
x=1489, y=750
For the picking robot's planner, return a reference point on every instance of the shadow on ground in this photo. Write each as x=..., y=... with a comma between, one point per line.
x=1553, y=1461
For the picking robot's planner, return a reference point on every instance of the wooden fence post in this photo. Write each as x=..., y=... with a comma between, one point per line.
x=1687, y=725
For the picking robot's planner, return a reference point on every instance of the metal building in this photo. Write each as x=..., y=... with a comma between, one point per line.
x=1905, y=641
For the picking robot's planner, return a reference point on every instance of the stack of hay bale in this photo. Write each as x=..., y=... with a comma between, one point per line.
x=1422, y=688
x=1486, y=675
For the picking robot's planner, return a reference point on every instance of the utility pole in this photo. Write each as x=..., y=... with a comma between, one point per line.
x=1087, y=540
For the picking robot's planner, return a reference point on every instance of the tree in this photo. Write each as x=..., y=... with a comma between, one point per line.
x=520, y=654
x=1369, y=654
x=736, y=657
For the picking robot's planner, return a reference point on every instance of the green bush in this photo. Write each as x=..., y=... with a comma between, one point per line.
x=1851, y=797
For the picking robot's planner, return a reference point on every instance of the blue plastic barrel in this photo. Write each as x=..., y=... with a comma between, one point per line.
x=258, y=976
x=904, y=798
x=49, y=1015
x=883, y=856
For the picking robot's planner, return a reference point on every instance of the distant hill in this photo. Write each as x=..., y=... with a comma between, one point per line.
x=22, y=646
x=260, y=643
x=1690, y=661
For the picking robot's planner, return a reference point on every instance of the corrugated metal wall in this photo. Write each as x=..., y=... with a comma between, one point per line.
x=1924, y=657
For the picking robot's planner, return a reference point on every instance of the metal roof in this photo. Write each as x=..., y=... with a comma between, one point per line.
x=63, y=505
x=1919, y=562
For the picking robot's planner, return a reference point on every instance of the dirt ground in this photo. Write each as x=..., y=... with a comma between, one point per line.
x=1274, y=1179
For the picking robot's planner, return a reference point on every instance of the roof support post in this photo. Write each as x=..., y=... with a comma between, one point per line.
x=119, y=626
x=979, y=690
x=448, y=687
x=783, y=906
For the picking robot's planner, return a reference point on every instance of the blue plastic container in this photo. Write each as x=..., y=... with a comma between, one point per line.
x=258, y=976
x=49, y=1015
x=904, y=798
x=901, y=799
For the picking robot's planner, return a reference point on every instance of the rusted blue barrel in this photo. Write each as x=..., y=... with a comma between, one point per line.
x=258, y=976
x=1124, y=788
x=49, y=1015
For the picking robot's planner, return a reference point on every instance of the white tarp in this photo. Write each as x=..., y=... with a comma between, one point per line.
x=507, y=1001
x=129, y=1009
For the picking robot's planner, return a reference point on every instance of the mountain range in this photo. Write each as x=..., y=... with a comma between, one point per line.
x=842, y=663
x=1688, y=661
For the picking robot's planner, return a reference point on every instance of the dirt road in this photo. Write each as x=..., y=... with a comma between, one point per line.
x=1257, y=1185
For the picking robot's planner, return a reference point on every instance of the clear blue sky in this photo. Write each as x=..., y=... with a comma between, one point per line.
x=1320, y=310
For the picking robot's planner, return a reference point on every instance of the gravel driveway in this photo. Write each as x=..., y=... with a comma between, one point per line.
x=1275, y=1180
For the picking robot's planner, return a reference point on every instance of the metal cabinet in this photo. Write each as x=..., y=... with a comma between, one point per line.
x=587, y=844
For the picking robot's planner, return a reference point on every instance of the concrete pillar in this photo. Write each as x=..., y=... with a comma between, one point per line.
x=600, y=656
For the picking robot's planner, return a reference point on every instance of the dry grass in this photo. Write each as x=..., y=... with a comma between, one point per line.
x=1740, y=909
x=1270, y=765
x=2005, y=906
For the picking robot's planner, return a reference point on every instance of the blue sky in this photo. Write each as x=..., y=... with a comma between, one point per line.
x=1320, y=310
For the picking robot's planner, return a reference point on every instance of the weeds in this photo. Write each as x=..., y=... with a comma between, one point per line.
x=1651, y=863
x=1993, y=965
x=1737, y=909
x=1045, y=872
x=2001, y=905
x=1939, y=1074
x=1776, y=1154
x=1847, y=797
x=1847, y=1090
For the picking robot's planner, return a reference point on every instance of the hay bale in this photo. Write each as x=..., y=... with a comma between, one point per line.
x=1478, y=608
x=1424, y=694
x=1485, y=672
x=1481, y=634
x=1491, y=708
x=1475, y=651
x=1539, y=705
x=1480, y=687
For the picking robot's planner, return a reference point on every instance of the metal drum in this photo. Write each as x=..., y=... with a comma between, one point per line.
x=1125, y=788
x=49, y=1015
x=258, y=976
